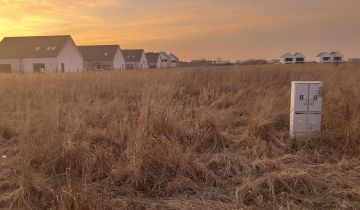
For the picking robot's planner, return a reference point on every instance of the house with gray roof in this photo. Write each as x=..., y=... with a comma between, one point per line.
x=40, y=54
x=289, y=58
x=330, y=57
x=299, y=58
x=135, y=59
x=102, y=57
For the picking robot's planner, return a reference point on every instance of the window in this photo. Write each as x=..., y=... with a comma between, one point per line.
x=300, y=59
x=38, y=67
x=337, y=58
x=326, y=58
x=288, y=59
x=5, y=68
x=163, y=60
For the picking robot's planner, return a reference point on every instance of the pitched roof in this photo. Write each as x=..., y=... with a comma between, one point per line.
x=133, y=55
x=32, y=46
x=337, y=53
x=323, y=54
x=286, y=55
x=99, y=52
x=152, y=57
x=299, y=54
x=173, y=57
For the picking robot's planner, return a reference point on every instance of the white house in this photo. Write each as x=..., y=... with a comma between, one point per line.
x=337, y=57
x=289, y=58
x=164, y=58
x=332, y=57
x=324, y=57
x=40, y=54
x=299, y=58
x=135, y=59
x=174, y=61
x=153, y=59
x=102, y=57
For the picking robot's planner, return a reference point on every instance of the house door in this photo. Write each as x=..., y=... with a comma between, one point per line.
x=38, y=67
x=62, y=67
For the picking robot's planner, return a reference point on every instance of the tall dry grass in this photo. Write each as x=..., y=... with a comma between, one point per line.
x=187, y=139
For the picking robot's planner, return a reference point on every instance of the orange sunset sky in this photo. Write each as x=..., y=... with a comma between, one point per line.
x=231, y=29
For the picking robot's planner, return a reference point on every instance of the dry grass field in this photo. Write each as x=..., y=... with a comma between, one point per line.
x=202, y=138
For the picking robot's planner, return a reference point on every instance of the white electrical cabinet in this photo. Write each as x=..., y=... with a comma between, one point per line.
x=305, y=109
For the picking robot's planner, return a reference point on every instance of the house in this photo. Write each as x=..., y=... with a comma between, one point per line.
x=299, y=58
x=287, y=58
x=153, y=60
x=40, y=54
x=102, y=57
x=332, y=57
x=135, y=59
x=174, y=61
x=337, y=57
x=324, y=57
x=164, y=58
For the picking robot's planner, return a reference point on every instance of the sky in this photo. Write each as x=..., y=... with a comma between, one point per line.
x=194, y=29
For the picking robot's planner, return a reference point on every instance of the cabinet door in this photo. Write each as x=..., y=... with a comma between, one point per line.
x=314, y=123
x=315, y=98
x=300, y=123
x=301, y=97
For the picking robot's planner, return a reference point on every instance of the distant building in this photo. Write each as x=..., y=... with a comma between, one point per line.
x=153, y=60
x=102, y=57
x=354, y=60
x=332, y=57
x=135, y=59
x=324, y=57
x=299, y=58
x=40, y=54
x=337, y=57
x=174, y=61
x=289, y=58
x=221, y=62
